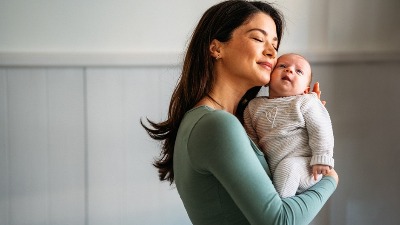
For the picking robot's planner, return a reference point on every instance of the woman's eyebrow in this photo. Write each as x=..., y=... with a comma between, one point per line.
x=257, y=29
x=262, y=31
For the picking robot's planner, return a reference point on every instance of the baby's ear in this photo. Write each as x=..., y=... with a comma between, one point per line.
x=307, y=90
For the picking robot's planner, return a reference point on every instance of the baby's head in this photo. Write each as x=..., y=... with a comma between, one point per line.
x=291, y=76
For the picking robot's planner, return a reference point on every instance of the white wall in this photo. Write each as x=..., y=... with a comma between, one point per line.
x=97, y=25
x=76, y=77
x=99, y=32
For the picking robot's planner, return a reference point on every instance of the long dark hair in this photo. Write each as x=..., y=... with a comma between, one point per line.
x=197, y=78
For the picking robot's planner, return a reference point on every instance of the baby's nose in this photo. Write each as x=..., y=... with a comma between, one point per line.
x=288, y=69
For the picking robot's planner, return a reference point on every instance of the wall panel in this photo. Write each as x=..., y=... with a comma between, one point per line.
x=42, y=146
x=28, y=146
x=123, y=187
x=72, y=150
x=4, y=151
x=66, y=146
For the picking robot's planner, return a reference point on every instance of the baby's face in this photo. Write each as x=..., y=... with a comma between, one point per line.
x=291, y=76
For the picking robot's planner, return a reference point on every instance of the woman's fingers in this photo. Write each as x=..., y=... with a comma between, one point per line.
x=318, y=91
x=332, y=173
x=316, y=87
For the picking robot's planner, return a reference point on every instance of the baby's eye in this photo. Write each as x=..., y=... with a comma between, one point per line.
x=300, y=72
x=282, y=66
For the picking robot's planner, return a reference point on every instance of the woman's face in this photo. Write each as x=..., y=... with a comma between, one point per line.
x=250, y=55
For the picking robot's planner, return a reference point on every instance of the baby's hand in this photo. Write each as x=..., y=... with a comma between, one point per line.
x=320, y=169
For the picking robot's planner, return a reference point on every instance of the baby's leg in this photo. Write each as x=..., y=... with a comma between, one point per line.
x=293, y=175
x=307, y=179
x=287, y=177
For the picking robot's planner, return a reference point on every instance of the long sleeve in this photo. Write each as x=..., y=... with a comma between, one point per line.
x=219, y=147
x=320, y=132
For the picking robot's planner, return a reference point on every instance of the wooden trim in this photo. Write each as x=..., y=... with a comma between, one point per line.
x=89, y=59
x=59, y=59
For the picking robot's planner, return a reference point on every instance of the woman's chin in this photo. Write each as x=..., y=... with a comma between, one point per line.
x=264, y=82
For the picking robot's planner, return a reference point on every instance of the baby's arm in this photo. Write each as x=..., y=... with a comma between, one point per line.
x=320, y=133
x=320, y=169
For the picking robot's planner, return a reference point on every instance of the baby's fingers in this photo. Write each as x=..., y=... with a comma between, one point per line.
x=315, y=175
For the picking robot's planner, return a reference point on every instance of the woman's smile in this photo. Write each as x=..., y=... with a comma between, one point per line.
x=265, y=65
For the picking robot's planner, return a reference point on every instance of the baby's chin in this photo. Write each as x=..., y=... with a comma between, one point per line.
x=284, y=94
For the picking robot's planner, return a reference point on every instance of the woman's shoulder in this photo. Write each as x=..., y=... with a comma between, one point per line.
x=216, y=118
x=206, y=122
x=216, y=127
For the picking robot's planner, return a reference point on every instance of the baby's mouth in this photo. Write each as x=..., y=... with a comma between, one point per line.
x=286, y=78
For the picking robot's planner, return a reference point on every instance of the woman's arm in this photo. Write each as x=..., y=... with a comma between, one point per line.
x=229, y=156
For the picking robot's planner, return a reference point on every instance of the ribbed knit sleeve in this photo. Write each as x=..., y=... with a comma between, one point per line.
x=320, y=132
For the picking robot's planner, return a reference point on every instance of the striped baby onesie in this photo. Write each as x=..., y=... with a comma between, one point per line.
x=294, y=133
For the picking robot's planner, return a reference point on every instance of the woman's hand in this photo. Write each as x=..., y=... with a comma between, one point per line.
x=332, y=173
x=320, y=169
x=317, y=90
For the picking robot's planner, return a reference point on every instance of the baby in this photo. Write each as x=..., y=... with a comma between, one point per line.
x=292, y=127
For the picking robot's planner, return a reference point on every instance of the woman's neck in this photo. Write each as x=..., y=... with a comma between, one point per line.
x=225, y=97
x=226, y=93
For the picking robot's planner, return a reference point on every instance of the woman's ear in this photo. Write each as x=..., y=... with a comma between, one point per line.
x=215, y=49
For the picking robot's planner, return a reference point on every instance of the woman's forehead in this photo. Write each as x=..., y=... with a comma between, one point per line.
x=260, y=21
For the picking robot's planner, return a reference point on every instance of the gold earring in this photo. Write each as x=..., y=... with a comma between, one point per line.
x=218, y=57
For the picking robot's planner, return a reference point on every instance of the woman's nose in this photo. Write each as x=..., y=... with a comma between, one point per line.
x=270, y=51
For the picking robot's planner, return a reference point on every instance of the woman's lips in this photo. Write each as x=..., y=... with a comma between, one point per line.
x=266, y=65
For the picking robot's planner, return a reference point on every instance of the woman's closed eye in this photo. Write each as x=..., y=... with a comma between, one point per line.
x=258, y=39
x=261, y=40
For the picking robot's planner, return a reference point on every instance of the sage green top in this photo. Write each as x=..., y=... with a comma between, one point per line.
x=223, y=178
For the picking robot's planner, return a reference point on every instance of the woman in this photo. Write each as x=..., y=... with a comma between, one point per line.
x=221, y=176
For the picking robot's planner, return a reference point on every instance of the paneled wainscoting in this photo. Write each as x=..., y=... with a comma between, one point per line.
x=72, y=150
